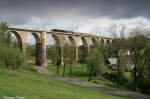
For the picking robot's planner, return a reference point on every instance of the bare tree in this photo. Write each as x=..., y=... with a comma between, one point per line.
x=118, y=32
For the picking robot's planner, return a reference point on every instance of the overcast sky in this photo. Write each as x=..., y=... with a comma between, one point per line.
x=93, y=16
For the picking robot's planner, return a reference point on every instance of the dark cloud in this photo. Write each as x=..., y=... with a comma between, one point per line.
x=20, y=11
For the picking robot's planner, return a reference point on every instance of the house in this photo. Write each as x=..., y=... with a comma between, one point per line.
x=113, y=62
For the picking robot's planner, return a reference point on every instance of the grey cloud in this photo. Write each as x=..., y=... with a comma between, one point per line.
x=20, y=11
x=118, y=8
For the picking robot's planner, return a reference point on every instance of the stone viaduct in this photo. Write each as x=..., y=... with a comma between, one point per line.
x=59, y=37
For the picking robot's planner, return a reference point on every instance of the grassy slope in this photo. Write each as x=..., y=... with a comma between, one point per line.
x=80, y=72
x=35, y=86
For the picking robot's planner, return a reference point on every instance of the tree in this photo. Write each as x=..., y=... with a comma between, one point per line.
x=4, y=33
x=108, y=51
x=118, y=45
x=31, y=49
x=135, y=40
x=147, y=63
x=69, y=55
x=99, y=61
x=53, y=53
x=95, y=61
x=122, y=65
x=139, y=56
x=82, y=54
x=139, y=46
x=10, y=56
x=55, y=57
x=58, y=64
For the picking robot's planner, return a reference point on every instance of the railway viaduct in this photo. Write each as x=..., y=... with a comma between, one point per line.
x=59, y=37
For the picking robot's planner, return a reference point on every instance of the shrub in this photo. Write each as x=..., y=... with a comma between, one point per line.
x=144, y=85
x=96, y=81
x=11, y=57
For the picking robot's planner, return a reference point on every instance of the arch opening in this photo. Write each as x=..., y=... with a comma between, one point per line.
x=33, y=49
x=94, y=41
x=57, y=40
x=69, y=47
x=84, y=41
x=53, y=45
x=16, y=39
x=83, y=50
x=107, y=42
x=102, y=42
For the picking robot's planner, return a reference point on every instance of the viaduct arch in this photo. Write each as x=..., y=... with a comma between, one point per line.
x=59, y=37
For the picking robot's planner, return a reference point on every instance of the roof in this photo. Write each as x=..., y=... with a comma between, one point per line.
x=113, y=61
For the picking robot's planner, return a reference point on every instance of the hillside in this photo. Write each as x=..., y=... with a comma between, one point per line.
x=31, y=85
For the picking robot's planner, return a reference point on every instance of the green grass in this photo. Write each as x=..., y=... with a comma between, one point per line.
x=80, y=72
x=35, y=86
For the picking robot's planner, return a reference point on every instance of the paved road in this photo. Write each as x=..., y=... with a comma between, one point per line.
x=113, y=91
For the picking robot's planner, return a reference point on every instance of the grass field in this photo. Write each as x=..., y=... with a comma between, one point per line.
x=34, y=86
x=81, y=73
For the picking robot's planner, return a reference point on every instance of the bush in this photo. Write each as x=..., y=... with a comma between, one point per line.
x=11, y=57
x=144, y=85
x=96, y=81
x=29, y=67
